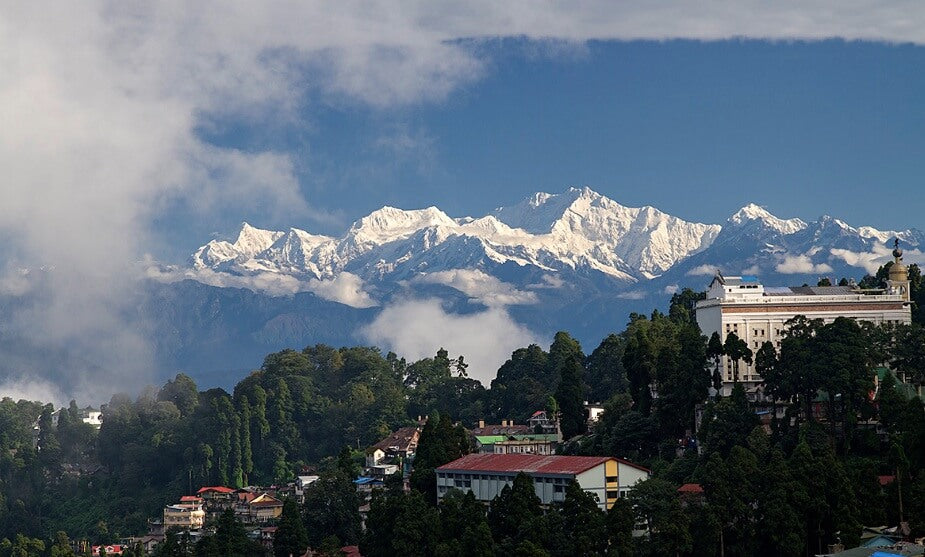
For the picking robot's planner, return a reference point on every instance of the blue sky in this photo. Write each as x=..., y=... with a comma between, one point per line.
x=697, y=129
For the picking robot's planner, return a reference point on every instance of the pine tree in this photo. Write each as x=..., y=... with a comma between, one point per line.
x=291, y=537
x=570, y=396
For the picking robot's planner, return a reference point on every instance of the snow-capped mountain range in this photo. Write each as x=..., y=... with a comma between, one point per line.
x=578, y=232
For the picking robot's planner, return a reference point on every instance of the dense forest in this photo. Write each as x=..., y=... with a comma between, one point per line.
x=787, y=486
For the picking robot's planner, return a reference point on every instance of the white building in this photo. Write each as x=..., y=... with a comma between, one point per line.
x=485, y=475
x=756, y=314
x=188, y=514
x=93, y=417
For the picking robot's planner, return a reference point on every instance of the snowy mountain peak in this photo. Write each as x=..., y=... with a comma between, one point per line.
x=389, y=221
x=252, y=240
x=753, y=212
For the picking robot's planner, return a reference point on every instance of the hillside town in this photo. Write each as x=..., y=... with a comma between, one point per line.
x=601, y=459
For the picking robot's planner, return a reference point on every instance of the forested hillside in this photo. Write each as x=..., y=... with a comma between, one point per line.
x=791, y=486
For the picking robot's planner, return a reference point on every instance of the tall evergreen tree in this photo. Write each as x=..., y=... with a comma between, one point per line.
x=570, y=396
x=290, y=539
x=639, y=361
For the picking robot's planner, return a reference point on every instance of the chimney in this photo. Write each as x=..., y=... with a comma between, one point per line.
x=481, y=424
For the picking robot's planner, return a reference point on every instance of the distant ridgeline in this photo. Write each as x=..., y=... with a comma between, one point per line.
x=574, y=261
x=836, y=443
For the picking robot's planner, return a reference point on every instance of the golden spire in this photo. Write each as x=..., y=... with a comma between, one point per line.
x=899, y=276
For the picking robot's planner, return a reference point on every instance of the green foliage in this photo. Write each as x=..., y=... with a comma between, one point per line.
x=682, y=308
x=570, y=396
x=291, y=537
x=515, y=515
x=606, y=376
x=331, y=508
x=793, y=492
x=522, y=384
x=441, y=441
x=655, y=503
x=229, y=540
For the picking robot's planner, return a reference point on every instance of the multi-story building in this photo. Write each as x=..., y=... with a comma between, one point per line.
x=757, y=314
x=485, y=475
x=188, y=514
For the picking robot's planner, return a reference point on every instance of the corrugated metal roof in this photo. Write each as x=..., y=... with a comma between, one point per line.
x=217, y=489
x=534, y=464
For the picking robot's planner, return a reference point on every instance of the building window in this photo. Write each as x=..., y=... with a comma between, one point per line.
x=612, y=494
x=611, y=479
x=559, y=489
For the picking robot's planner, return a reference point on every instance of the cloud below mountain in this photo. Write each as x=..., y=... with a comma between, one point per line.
x=345, y=288
x=480, y=286
x=417, y=328
x=872, y=260
x=801, y=264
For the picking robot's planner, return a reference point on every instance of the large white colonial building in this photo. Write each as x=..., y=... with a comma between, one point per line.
x=756, y=313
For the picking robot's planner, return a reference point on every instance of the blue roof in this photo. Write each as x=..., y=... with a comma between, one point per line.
x=749, y=278
x=884, y=554
x=363, y=480
x=879, y=541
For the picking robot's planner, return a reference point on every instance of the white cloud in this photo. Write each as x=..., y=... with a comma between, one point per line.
x=345, y=288
x=801, y=264
x=14, y=281
x=549, y=281
x=870, y=261
x=753, y=270
x=702, y=270
x=39, y=390
x=632, y=295
x=479, y=285
x=417, y=328
x=671, y=289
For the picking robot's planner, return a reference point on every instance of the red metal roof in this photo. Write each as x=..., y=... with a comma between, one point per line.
x=886, y=480
x=190, y=498
x=217, y=489
x=537, y=464
x=691, y=488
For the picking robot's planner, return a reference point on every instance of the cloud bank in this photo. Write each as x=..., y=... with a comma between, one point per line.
x=346, y=288
x=415, y=329
x=871, y=261
x=801, y=264
x=480, y=286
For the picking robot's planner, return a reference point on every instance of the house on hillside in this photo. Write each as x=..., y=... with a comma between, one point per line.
x=216, y=499
x=264, y=508
x=507, y=427
x=402, y=444
x=188, y=514
x=527, y=443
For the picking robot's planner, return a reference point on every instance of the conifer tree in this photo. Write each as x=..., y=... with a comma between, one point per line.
x=291, y=537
